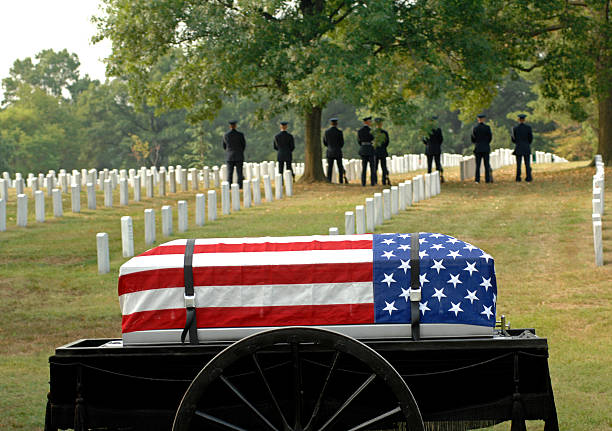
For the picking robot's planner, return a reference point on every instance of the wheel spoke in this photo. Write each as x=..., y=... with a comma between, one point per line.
x=267, y=385
x=297, y=385
x=376, y=419
x=249, y=405
x=317, y=406
x=348, y=401
x=218, y=421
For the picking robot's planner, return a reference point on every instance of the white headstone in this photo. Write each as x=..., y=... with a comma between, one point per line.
x=193, y=174
x=394, y=200
x=19, y=186
x=278, y=186
x=149, y=185
x=123, y=192
x=2, y=215
x=108, y=193
x=349, y=223
x=22, y=210
x=183, y=216
x=360, y=220
x=172, y=180
x=184, y=185
x=3, y=189
x=91, y=196
x=39, y=203
x=333, y=231
x=408, y=191
x=416, y=189
x=268, y=188
x=127, y=235
x=402, y=196
x=58, y=209
x=386, y=204
x=206, y=177
x=256, y=191
x=212, y=205
x=162, y=183
x=149, y=219
x=200, y=209
x=598, y=243
x=378, y=209
x=288, y=182
x=75, y=198
x=235, y=197
x=597, y=195
x=225, y=198
x=166, y=213
x=137, y=188
x=216, y=175
x=103, y=256
x=246, y=194
x=596, y=206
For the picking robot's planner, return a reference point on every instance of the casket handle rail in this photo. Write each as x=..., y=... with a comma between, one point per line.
x=415, y=286
x=191, y=324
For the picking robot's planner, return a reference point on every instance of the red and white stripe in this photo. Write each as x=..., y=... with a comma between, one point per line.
x=246, y=282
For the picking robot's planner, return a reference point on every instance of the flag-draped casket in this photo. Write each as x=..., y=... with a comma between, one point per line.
x=359, y=285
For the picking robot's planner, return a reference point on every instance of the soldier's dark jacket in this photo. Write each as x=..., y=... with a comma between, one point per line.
x=333, y=139
x=433, y=142
x=522, y=137
x=381, y=148
x=366, y=140
x=481, y=137
x=234, y=145
x=284, y=144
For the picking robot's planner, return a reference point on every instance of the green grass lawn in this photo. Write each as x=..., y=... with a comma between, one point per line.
x=540, y=235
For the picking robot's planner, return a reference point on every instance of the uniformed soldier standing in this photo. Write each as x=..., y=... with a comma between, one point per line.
x=481, y=137
x=333, y=139
x=381, y=142
x=234, y=145
x=433, y=147
x=522, y=137
x=284, y=145
x=366, y=151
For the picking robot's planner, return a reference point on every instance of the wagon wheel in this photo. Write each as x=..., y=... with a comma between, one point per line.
x=297, y=379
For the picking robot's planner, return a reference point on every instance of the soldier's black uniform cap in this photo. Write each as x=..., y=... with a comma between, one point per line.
x=367, y=118
x=233, y=121
x=284, y=123
x=333, y=120
x=522, y=116
x=378, y=119
x=481, y=116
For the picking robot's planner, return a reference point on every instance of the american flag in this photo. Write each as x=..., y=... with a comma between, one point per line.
x=310, y=280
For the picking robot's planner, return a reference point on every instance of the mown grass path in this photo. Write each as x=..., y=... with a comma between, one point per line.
x=540, y=235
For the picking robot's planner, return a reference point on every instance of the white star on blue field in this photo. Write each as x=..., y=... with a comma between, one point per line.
x=457, y=280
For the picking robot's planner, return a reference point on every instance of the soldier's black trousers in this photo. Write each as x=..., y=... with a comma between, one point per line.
x=430, y=159
x=330, y=168
x=281, y=167
x=383, y=166
x=230, y=172
x=527, y=158
x=484, y=157
x=364, y=167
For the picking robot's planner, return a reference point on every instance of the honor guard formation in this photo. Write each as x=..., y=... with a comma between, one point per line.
x=373, y=146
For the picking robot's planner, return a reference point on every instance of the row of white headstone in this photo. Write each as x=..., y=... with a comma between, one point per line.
x=171, y=178
x=383, y=206
x=502, y=157
x=598, y=209
x=124, y=196
x=230, y=201
x=395, y=164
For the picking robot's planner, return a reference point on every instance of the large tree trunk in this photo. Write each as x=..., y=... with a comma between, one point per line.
x=604, y=146
x=313, y=168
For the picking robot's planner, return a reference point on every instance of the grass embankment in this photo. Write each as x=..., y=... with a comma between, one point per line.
x=540, y=235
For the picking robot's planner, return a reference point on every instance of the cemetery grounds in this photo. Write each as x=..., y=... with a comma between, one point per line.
x=540, y=235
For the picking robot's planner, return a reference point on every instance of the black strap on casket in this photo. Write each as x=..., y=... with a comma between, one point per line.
x=415, y=287
x=191, y=325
